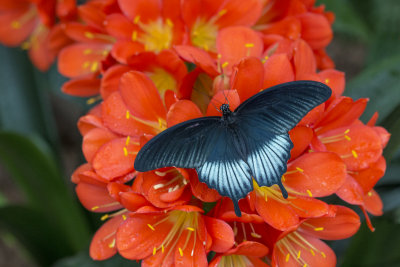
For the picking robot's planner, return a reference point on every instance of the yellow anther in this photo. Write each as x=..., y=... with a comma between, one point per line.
x=190, y=229
x=354, y=153
x=92, y=100
x=169, y=23
x=134, y=35
x=125, y=151
x=15, y=24
x=312, y=252
x=327, y=81
x=25, y=45
x=347, y=131
x=298, y=254
x=224, y=64
x=323, y=254
x=287, y=257
x=128, y=139
x=305, y=265
x=222, y=12
x=85, y=64
x=89, y=35
x=319, y=229
x=309, y=193
x=249, y=45
x=369, y=194
x=95, y=207
x=299, y=169
x=94, y=67
x=127, y=114
x=104, y=217
x=219, y=56
x=160, y=173
x=87, y=51
x=255, y=235
x=162, y=248
x=136, y=19
x=283, y=178
x=151, y=227
x=266, y=57
x=124, y=217
x=180, y=251
x=347, y=137
x=160, y=122
x=104, y=53
x=112, y=244
x=154, y=251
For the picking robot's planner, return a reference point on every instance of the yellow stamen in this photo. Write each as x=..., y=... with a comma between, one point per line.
x=309, y=193
x=190, y=228
x=312, y=252
x=95, y=207
x=180, y=251
x=222, y=12
x=89, y=35
x=127, y=115
x=15, y=24
x=287, y=257
x=354, y=154
x=85, y=64
x=299, y=169
x=224, y=64
x=128, y=139
x=162, y=248
x=112, y=244
x=249, y=45
x=298, y=254
x=125, y=152
x=104, y=217
x=134, y=36
x=136, y=19
x=327, y=81
x=154, y=251
x=370, y=194
x=151, y=227
x=124, y=217
x=94, y=67
x=87, y=51
x=255, y=235
x=323, y=254
x=169, y=23
x=347, y=137
x=319, y=229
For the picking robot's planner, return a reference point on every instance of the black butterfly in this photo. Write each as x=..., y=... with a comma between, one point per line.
x=252, y=141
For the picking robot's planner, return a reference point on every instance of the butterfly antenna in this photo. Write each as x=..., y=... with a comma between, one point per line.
x=226, y=98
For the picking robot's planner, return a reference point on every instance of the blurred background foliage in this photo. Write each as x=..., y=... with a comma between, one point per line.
x=43, y=224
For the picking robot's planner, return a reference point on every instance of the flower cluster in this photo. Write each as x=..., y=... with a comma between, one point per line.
x=151, y=64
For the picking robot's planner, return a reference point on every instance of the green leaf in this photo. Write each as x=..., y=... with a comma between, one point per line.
x=392, y=124
x=381, y=83
x=35, y=232
x=24, y=107
x=380, y=248
x=32, y=166
x=83, y=260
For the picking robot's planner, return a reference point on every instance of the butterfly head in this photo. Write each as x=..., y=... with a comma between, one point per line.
x=226, y=111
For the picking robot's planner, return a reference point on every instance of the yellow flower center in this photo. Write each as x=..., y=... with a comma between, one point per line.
x=163, y=80
x=234, y=260
x=157, y=35
x=204, y=34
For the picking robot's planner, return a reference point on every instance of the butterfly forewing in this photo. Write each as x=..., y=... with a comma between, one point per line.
x=281, y=107
x=185, y=145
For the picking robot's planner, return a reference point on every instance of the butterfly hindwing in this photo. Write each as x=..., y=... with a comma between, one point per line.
x=281, y=107
x=185, y=145
x=225, y=168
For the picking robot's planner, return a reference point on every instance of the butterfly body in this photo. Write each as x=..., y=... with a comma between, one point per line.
x=250, y=142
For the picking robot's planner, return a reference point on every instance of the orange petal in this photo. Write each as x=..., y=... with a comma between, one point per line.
x=115, y=158
x=145, y=10
x=141, y=96
x=276, y=214
x=234, y=43
x=201, y=190
x=199, y=57
x=383, y=134
x=82, y=86
x=373, y=203
x=181, y=111
x=114, y=117
x=88, y=122
x=14, y=36
x=361, y=148
x=248, y=77
x=221, y=233
x=93, y=140
x=103, y=246
x=351, y=191
x=96, y=198
x=191, y=255
x=369, y=177
x=249, y=248
x=304, y=60
x=301, y=137
x=289, y=27
x=308, y=207
x=239, y=12
x=119, y=26
x=277, y=70
x=334, y=79
x=343, y=224
x=110, y=79
x=133, y=201
x=315, y=30
x=123, y=50
x=317, y=174
x=81, y=59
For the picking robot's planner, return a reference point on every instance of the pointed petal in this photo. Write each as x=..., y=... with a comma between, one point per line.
x=304, y=60
x=343, y=224
x=93, y=140
x=312, y=170
x=248, y=77
x=277, y=70
x=315, y=30
x=351, y=191
x=103, y=246
x=239, y=12
x=369, y=177
x=373, y=203
x=334, y=79
x=83, y=87
x=199, y=57
x=221, y=233
x=96, y=198
x=146, y=10
x=201, y=190
x=141, y=96
x=110, y=79
x=301, y=137
x=234, y=43
x=249, y=248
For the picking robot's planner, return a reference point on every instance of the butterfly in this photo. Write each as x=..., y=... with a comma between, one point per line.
x=250, y=142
